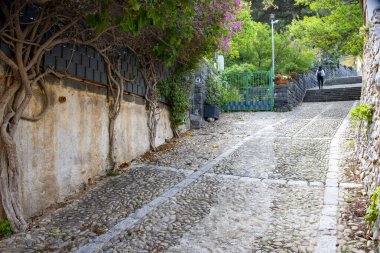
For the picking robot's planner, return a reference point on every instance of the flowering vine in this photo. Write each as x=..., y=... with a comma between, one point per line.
x=231, y=26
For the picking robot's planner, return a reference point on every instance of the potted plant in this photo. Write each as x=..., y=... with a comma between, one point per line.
x=213, y=98
x=293, y=75
x=281, y=79
x=277, y=78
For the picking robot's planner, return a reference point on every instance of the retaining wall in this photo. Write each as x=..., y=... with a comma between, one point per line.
x=368, y=136
x=288, y=96
x=198, y=94
x=69, y=147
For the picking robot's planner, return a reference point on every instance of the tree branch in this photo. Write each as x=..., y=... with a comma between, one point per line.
x=51, y=41
x=20, y=41
x=8, y=60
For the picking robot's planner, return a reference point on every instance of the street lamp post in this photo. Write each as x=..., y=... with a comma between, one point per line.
x=272, y=22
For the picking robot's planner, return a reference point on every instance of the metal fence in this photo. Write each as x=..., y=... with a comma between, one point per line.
x=250, y=91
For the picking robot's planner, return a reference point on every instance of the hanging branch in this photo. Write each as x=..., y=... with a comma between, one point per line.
x=150, y=76
x=28, y=44
x=115, y=79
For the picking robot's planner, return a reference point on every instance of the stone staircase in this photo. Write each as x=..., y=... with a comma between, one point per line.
x=344, y=80
x=334, y=90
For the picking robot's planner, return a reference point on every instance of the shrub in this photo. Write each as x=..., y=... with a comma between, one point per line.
x=372, y=211
x=362, y=112
x=219, y=92
x=177, y=92
x=239, y=69
x=214, y=91
x=5, y=227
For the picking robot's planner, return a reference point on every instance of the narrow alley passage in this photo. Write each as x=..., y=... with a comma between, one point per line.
x=252, y=182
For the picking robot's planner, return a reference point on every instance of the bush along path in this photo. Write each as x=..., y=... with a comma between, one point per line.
x=250, y=182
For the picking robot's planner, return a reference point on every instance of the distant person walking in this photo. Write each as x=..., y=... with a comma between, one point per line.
x=320, y=75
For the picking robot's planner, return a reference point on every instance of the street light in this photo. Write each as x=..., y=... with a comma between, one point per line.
x=272, y=22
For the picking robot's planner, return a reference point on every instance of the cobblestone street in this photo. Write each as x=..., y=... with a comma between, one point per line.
x=249, y=182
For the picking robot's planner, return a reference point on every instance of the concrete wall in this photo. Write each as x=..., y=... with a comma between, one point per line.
x=69, y=147
x=368, y=137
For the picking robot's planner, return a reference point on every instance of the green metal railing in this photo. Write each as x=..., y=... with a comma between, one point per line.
x=249, y=91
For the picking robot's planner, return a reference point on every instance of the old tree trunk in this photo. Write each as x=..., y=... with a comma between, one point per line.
x=27, y=39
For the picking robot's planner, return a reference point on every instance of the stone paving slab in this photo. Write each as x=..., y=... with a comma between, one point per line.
x=95, y=213
x=226, y=230
x=217, y=222
x=263, y=191
x=200, y=146
x=301, y=159
x=337, y=112
x=224, y=215
x=167, y=224
x=321, y=128
x=290, y=127
x=309, y=110
x=277, y=158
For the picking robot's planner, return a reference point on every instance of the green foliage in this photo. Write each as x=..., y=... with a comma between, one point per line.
x=284, y=11
x=214, y=91
x=318, y=5
x=290, y=56
x=239, y=69
x=219, y=92
x=172, y=30
x=372, y=211
x=362, y=112
x=112, y=173
x=253, y=46
x=172, y=17
x=242, y=75
x=333, y=30
x=231, y=95
x=5, y=227
x=177, y=92
x=99, y=21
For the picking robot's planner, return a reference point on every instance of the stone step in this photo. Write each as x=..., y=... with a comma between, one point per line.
x=338, y=94
x=343, y=80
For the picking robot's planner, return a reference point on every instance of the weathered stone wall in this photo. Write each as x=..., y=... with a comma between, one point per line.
x=288, y=96
x=198, y=94
x=68, y=148
x=368, y=137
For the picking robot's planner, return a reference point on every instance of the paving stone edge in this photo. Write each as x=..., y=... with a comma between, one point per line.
x=328, y=221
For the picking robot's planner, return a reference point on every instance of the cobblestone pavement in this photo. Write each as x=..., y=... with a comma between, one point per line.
x=250, y=182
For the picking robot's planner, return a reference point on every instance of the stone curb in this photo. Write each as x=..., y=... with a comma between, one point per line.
x=328, y=221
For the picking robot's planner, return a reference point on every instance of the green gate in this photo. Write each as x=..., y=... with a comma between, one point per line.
x=250, y=91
